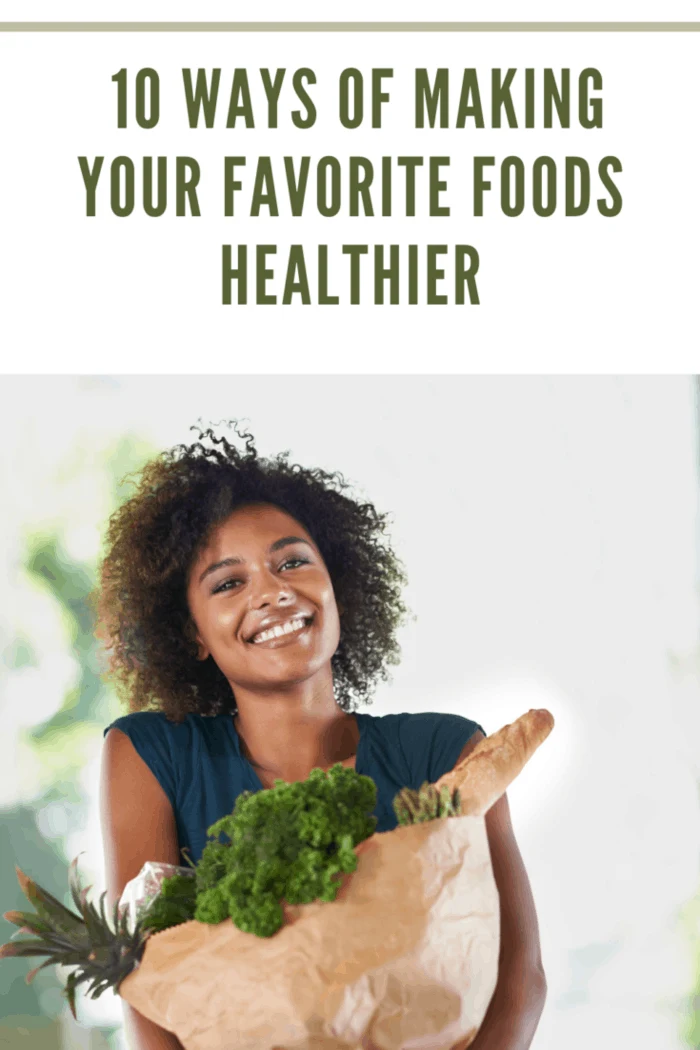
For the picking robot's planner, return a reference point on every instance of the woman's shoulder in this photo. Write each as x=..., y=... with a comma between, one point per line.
x=422, y=721
x=135, y=718
x=159, y=720
x=430, y=742
x=143, y=723
x=173, y=751
x=154, y=729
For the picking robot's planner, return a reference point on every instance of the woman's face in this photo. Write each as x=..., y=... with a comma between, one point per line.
x=262, y=600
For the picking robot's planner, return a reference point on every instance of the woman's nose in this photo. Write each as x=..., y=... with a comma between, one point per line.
x=270, y=590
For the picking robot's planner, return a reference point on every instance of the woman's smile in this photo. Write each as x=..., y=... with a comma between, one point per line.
x=282, y=632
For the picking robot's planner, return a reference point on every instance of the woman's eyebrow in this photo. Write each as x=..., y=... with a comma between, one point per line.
x=286, y=541
x=219, y=565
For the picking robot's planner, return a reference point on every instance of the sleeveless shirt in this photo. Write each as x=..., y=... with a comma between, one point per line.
x=201, y=768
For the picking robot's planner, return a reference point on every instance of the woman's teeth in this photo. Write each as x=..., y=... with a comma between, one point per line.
x=278, y=630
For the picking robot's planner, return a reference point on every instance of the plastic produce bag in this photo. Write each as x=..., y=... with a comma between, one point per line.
x=138, y=894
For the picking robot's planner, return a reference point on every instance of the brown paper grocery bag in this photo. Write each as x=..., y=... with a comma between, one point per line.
x=406, y=957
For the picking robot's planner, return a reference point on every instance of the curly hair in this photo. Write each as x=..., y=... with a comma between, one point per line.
x=154, y=537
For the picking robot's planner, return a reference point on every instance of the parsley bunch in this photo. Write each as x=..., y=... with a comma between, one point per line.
x=287, y=843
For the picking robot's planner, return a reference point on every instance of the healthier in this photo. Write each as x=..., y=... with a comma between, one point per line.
x=434, y=274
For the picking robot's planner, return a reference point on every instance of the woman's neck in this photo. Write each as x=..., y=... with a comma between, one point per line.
x=289, y=735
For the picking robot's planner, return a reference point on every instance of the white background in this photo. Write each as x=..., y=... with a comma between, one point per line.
x=376, y=10
x=142, y=294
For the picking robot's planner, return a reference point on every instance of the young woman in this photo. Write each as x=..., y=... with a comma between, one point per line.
x=249, y=605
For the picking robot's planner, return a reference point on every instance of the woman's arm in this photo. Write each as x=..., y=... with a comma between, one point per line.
x=138, y=825
x=518, y=1000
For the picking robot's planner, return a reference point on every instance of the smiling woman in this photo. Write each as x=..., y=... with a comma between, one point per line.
x=249, y=605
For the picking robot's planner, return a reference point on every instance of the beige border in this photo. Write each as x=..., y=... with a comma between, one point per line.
x=349, y=27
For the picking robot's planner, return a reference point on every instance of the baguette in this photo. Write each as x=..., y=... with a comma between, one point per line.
x=487, y=771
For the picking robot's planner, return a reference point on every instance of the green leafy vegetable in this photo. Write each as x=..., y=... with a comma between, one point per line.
x=287, y=843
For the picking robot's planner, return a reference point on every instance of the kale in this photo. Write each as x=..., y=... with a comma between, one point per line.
x=289, y=843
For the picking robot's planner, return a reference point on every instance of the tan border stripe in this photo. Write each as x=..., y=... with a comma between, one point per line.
x=349, y=27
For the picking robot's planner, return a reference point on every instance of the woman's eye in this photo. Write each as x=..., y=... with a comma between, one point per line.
x=226, y=585
x=293, y=563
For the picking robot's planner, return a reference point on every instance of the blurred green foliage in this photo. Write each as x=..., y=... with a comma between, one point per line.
x=62, y=742
x=21, y=842
x=690, y=919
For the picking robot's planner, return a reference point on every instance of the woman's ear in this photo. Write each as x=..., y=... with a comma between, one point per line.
x=193, y=636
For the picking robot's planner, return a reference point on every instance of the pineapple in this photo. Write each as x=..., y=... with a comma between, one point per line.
x=429, y=803
x=103, y=953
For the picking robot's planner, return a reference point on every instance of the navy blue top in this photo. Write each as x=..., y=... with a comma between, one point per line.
x=199, y=763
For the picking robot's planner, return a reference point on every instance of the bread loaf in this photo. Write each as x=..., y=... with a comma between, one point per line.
x=487, y=771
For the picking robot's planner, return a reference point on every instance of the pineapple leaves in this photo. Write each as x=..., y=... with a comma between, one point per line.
x=19, y=949
x=71, y=985
x=47, y=907
x=28, y=922
x=32, y=973
x=103, y=950
x=74, y=881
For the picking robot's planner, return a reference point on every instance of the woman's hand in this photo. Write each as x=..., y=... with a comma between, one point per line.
x=511, y=1019
x=143, y=1034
